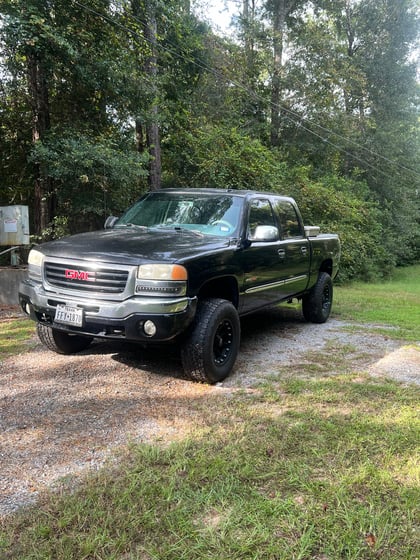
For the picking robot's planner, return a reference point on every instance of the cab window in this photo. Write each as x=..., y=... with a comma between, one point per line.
x=260, y=214
x=289, y=222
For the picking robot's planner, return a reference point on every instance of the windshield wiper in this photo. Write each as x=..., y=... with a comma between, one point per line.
x=178, y=228
x=184, y=229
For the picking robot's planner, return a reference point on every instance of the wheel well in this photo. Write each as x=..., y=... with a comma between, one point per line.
x=225, y=288
x=326, y=266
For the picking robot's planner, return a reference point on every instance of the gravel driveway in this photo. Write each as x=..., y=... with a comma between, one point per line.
x=64, y=415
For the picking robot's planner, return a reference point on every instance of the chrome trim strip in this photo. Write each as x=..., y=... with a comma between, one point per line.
x=272, y=285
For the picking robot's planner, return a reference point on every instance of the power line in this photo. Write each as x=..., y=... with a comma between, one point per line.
x=292, y=116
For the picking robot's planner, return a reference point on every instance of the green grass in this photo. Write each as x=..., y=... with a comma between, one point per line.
x=307, y=470
x=393, y=303
x=307, y=467
x=15, y=335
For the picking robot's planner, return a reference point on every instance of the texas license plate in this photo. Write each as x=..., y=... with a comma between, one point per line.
x=68, y=315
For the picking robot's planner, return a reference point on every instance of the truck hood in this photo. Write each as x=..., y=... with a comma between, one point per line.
x=133, y=246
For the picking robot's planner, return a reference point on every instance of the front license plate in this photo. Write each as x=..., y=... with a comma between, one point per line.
x=68, y=315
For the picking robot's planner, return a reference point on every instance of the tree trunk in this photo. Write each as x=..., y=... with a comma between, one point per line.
x=140, y=136
x=146, y=12
x=279, y=18
x=152, y=127
x=44, y=197
x=153, y=143
x=353, y=91
x=281, y=8
x=248, y=17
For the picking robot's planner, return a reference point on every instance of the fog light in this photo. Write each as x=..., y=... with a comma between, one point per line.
x=27, y=309
x=149, y=328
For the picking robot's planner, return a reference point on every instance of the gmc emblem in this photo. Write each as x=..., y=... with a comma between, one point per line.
x=71, y=274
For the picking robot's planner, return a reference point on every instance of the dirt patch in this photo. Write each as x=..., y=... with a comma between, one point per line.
x=10, y=311
x=402, y=364
x=64, y=415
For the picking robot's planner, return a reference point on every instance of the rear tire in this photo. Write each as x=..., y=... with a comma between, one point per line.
x=62, y=342
x=210, y=350
x=317, y=303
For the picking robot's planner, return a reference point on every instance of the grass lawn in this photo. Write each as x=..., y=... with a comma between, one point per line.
x=318, y=468
x=15, y=335
x=394, y=302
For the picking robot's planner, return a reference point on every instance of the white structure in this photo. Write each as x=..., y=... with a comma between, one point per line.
x=14, y=225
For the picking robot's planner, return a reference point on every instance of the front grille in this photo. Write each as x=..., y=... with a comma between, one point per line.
x=85, y=279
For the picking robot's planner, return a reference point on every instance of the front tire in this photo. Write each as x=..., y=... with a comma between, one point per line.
x=210, y=350
x=317, y=303
x=61, y=342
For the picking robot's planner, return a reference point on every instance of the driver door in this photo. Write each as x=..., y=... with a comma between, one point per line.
x=262, y=260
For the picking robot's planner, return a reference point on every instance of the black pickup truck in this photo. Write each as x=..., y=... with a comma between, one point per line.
x=180, y=265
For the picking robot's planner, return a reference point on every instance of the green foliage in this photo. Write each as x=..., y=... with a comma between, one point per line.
x=93, y=176
x=348, y=98
x=57, y=228
x=353, y=73
x=343, y=206
x=215, y=156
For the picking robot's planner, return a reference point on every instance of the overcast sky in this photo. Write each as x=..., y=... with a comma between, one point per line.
x=219, y=12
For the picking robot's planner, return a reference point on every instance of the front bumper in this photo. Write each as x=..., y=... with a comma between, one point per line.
x=111, y=319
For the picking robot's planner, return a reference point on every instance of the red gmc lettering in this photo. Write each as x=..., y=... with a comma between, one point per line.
x=77, y=274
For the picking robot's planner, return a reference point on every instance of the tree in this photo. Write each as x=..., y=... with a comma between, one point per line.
x=378, y=84
x=68, y=76
x=317, y=97
x=279, y=11
x=28, y=21
x=145, y=11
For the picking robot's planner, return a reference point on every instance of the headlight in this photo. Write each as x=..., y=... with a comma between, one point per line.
x=35, y=260
x=161, y=280
x=35, y=257
x=162, y=272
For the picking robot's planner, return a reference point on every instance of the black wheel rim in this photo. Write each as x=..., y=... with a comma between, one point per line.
x=223, y=342
x=326, y=298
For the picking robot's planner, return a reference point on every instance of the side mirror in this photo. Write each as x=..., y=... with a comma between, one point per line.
x=265, y=233
x=110, y=222
x=312, y=231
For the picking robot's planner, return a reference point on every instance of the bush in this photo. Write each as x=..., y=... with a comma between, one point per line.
x=220, y=157
x=93, y=177
x=342, y=206
x=214, y=156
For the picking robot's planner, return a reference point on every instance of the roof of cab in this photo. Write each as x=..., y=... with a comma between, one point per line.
x=237, y=192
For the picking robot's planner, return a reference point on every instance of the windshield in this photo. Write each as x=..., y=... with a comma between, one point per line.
x=208, y=213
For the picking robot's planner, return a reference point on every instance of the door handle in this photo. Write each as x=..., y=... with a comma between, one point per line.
x=304, y=250
x=281, y=253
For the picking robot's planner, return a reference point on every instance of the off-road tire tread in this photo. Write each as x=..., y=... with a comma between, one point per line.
x=61, y=342
x=192, y=350
x=312, y=302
